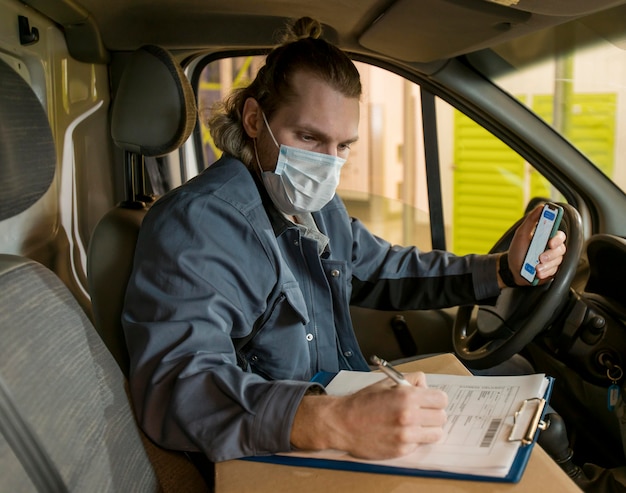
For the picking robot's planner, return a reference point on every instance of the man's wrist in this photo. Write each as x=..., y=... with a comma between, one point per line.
x=505, y=271
x=313, y=422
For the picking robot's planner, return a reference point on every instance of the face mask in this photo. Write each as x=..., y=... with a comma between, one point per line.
x=303, y=181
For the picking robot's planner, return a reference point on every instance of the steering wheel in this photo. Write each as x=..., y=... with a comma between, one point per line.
x=486, y=335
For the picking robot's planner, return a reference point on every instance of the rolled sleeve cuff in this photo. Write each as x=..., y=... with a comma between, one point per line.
x=273, y=425
x=485, y=277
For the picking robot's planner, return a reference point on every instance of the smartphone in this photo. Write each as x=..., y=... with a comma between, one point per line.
x=545, y=229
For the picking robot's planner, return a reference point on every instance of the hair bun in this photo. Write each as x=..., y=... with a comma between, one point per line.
x=303, y=28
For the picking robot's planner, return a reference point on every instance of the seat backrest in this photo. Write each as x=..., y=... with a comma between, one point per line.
x=68, y=392
x=26, y=167
x=153, y=113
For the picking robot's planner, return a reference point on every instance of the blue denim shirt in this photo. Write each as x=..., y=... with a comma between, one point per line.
x=230, y=309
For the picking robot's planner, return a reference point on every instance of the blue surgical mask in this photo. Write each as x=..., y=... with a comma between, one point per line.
x=303, y=181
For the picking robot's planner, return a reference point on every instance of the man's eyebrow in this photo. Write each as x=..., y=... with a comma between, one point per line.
x=321, y=134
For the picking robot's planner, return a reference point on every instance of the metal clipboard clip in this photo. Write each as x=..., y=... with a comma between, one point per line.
x=528, y=420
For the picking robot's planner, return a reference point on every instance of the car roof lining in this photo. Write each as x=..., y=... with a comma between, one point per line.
x=403, y=29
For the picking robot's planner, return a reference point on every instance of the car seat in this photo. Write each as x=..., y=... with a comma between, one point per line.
x=66, y=423
x=153, y=114
x=65, y=419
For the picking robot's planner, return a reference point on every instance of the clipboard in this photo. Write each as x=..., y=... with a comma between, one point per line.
x=528, y=422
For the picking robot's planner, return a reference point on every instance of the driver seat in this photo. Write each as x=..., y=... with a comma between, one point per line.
x=153, y=114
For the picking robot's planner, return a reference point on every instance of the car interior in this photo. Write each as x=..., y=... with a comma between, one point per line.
x=102, y=110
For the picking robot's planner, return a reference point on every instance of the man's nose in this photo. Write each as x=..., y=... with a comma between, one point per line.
x=330, y=149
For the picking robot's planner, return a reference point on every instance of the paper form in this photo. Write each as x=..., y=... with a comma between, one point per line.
x=480, y=418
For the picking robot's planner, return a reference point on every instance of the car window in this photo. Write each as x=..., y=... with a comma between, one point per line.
x=485, y=186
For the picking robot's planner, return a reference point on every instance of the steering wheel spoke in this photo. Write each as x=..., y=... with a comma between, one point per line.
x=476, y=340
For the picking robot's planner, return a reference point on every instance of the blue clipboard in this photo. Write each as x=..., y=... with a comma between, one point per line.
x=514, y=475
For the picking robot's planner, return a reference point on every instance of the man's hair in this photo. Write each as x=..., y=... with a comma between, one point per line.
x=301, y=50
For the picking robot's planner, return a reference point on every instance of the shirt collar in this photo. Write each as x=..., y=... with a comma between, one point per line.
x=309, y=229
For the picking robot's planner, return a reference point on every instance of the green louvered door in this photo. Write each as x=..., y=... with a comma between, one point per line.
x=492, y=183
x=488, y=187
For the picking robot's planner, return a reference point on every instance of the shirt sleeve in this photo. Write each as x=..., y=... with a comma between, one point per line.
x=484, y=276
x=392, y=277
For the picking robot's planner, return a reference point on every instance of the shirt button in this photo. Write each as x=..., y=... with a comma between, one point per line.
x=334, y=273
x=309, y=337
x=296, y=242
x=348, y=354
x=254, y=359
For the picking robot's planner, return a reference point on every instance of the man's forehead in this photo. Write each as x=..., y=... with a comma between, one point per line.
x=316, y=105
x=336, y=126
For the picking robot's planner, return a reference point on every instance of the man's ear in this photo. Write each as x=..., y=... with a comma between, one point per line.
x=251, y=117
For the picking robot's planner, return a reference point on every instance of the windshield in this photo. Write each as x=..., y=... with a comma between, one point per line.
x=574, y=77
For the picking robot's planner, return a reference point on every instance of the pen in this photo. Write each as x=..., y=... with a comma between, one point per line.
x=389, y=370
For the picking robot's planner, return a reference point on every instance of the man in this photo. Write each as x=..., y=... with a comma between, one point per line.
x=243, y=279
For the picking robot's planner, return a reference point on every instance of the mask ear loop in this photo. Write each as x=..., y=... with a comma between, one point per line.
x=269, y=129
x=256, y=154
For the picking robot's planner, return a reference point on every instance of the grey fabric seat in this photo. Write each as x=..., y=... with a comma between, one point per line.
x=70, y=393
x=66, y=423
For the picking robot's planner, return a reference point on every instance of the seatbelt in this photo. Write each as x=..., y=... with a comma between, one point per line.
x=27, y=448
x=433, y=177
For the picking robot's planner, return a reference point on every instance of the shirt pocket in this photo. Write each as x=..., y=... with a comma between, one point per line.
x=295, y=298
x=277, y=348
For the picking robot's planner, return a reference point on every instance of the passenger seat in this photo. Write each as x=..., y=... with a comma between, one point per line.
x=66, y=422
x=65, y=419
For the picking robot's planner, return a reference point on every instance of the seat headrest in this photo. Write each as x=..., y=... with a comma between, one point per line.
x=154, y=109
x=27, y=152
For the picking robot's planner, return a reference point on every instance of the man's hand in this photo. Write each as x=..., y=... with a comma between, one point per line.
x=549, y=260
x=380, y=421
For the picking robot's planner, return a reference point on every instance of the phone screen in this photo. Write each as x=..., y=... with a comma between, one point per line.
x=546, y=228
